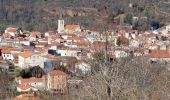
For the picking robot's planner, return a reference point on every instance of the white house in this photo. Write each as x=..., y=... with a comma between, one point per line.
x=133, y=43
x=23, y=41
x=68, y=52
x=120, y=53
x=11, y=31
x=82, y=68
x=29, y=59
x=25, y=88
x=6, y=54
x=38, y=83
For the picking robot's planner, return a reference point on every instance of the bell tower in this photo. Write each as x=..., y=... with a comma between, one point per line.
x=60, y=24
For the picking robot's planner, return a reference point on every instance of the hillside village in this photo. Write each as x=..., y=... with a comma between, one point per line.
x=70, y=47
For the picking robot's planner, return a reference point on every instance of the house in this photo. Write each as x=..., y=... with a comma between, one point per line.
x=57, y=81
x=21, y=41
x=10, y=31
x=68, y=62
x=160, y=55
x=121, y=52
x=54, y=45
x=48, y=62
x=73, y=39
x=151, y=46
x=49, y=33
x=93, y=36
x=6, y=54
x=30, y=59
x=65, y=36
x=133, y=43
x=73, y=52
x=38, y=83
x=82, y=68
x=25, y=88
x=72, y=28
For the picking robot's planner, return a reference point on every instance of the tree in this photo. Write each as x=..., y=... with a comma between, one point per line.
x=37, y=71
x=61, y=67
x=119, y=41
x=25, y=73
x=163, y=38
x=128, y=19
x=129, y=78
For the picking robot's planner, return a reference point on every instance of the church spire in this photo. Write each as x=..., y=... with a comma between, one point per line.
x=61, y=23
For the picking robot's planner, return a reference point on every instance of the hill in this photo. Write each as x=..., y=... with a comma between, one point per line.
x=42, y=15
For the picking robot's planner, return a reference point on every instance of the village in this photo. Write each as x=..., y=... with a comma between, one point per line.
x=70, y=47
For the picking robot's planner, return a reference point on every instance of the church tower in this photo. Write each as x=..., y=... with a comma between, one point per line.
x=60, y=25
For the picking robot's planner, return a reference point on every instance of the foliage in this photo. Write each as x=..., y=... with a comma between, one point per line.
x=35, y=71
x=128, y=19
x=30, y=16
x=120, y=11
x=110, y=18
x=61, y=67
x=163, y=38
x=119, y=41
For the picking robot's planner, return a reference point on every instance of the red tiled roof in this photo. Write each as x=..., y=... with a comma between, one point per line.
x=35, y=33
x=56, y=72
x=26, y=54
x=160, y=54
x=72, y=27
x=6, y=50
x=55, y=43
x=11, y=29
x=31, y=80
x=42, y=43
x=24, y=86
x=73, y=38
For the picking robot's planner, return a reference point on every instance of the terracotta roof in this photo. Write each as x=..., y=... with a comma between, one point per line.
x=26, y=54
x=56, y=72
x=160, y=54
x=6, y=50
x=41, y=44
x=6, y=35
x=66, y=48
x=20, y=39
x=73, y=38
x=72, y=27
x=24, y=86
x=35, y=33
x=55, y=43
x=31, y=80
x=11, y=29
